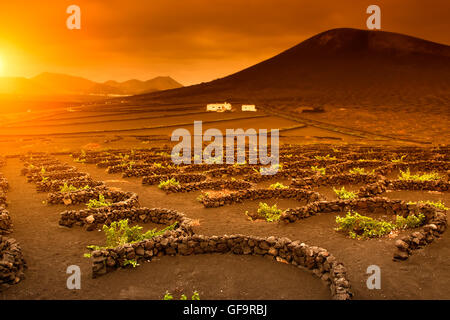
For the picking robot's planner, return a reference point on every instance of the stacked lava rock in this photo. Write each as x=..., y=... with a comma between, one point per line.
x=210, y=185
x=255, y=194
x=118, y=198
x=436, y=224
x=12, y=263
x=5, y=219
x=94, y=218
x=181, y=177
x=318, y=260
x=338, y=179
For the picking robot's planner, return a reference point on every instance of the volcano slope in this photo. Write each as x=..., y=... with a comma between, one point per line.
x=374, y=80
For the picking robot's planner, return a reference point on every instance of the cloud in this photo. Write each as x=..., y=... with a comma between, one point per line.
x=191, y=40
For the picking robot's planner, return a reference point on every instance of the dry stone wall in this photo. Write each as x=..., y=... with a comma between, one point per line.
x=320, y=261
x=255, y=194
x=12, y=262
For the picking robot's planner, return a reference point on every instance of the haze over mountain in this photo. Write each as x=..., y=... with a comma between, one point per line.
x=341, y=67
x=53, y=83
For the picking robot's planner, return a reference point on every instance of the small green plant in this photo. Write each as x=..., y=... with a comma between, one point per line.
x=163, y=154
x=438, y=204
x=168, y=296
x=195, y=296
x=164, y=185
x=278, y=185
x=399, y=159
x=120, y=233
x=362, y=227
x=101, y=202
x=361, y=171
x=344, y=194
x=327, y=157
x=70, y=188
x=278, y=166
x=124, y=158
x=131, y=262
x=411, y=221
x=269, y=213
x=237, y=164
x=202, y=196
x=406, y=175
x=65, y=188
x=322, y=171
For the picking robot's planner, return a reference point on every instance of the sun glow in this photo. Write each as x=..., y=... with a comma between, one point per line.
x=1, y=66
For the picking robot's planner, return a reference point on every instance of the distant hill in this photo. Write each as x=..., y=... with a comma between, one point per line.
x=137, y=86
x=340, y=66
x=54, y=83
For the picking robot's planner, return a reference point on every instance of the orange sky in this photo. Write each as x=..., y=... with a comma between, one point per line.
x=190, y=40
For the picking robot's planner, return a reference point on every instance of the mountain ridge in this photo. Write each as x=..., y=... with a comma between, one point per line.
x=57, y=83
x=351, y=66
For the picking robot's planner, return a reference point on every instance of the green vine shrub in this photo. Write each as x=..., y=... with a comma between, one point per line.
x=344, y=194
x=70, y=188
x=278, y=185
x=169, y=296
x=101, y=202
x=362, y=227
x=120, y=233
x=164, y=185
x=269, y=213
x=406, y=175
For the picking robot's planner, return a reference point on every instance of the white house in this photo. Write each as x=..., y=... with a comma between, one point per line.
x=248, y=107
x=218, y=107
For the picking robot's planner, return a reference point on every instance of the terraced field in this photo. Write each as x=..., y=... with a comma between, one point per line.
x=226, y=231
